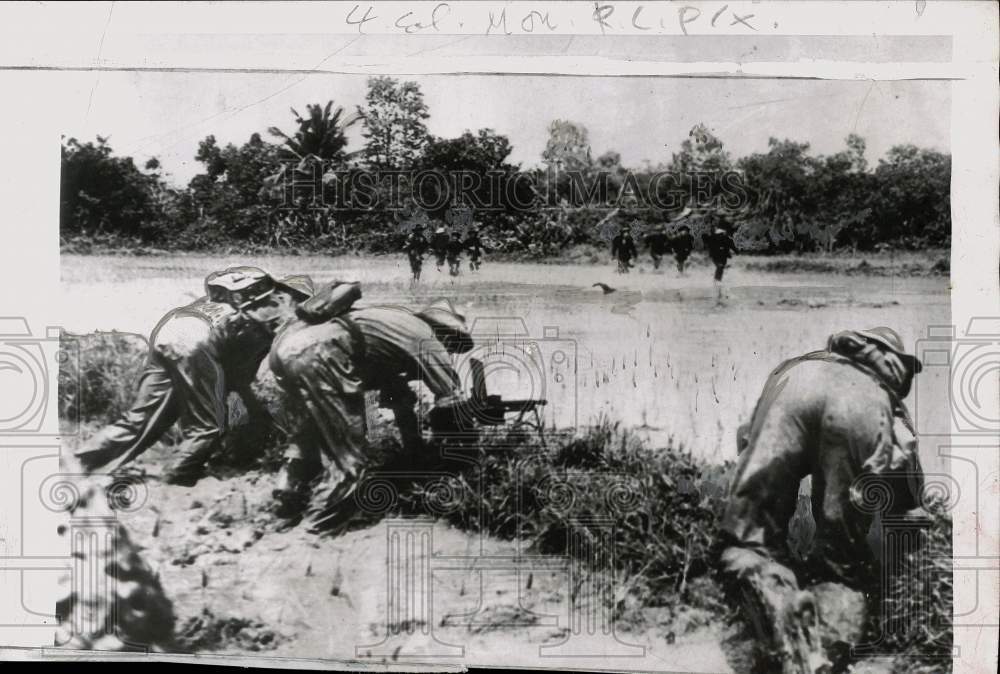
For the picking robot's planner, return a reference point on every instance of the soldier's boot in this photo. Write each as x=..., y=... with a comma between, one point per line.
x=291, y=492
x=336, y=502
x=807, y=633
x=190, y=467
x=794, y=628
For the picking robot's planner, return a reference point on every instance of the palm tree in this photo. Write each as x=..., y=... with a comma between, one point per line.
x=321, y=134
x=320, y=140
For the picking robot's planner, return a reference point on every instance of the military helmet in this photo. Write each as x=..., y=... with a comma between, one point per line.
x=238, y=286
x=890, y=339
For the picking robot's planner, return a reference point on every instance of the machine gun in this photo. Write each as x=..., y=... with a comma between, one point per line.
x=484, y=409
x=492, y=410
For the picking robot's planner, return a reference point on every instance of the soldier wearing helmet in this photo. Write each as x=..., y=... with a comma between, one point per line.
x=325, y=356
x=681, y=240
x=439, y=244
x=415, y=247
x=720, y=247
x=623, y=249
x=838, y=416
x=658, y=244
x=198, y=354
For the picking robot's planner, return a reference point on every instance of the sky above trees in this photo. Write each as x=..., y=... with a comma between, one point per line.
x=165, y=115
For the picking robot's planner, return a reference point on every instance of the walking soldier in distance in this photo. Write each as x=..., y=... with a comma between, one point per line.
x=658, y=244
x=682, y=243
x=439, y=244
x=623, y=249
x=415, y=247
x=474, y=245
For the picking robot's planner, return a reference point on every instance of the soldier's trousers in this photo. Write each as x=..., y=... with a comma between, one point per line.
x=416, y=264
x=191, y=393
x=720, y=267
x=153, y=412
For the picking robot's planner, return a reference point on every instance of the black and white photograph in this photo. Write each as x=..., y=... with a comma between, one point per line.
x=648, y=366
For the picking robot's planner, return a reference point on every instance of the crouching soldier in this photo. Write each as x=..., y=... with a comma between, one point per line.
x=198, y=354
x=837, y=415
x=325, y=357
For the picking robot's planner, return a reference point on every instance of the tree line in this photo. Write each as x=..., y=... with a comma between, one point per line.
x=780, y=200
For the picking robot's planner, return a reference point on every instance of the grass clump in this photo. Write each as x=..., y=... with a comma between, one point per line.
x=916, y=616
x=98, y=375
x=651, y=512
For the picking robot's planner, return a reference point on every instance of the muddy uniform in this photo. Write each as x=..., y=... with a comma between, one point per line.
x=623, y=249
x=682, y=243
x=327, y=368
x=199, y=353
x=658, y=245
x=835, y=417
x=720, y=248
x=415, y=247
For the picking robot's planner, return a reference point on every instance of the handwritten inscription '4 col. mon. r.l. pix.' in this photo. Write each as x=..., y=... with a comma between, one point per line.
x=607, y=18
